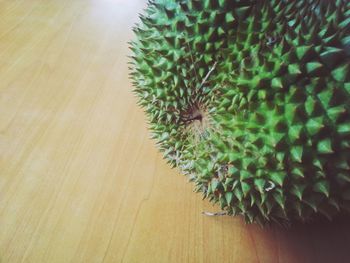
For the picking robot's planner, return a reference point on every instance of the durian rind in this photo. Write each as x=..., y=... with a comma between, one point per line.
x=251, y=99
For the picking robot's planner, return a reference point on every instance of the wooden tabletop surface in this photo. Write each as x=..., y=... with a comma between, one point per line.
x=80, y=180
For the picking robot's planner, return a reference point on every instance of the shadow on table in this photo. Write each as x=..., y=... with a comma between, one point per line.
x=320, y=241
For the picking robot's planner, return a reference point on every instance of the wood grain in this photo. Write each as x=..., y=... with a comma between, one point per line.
x=80, y=179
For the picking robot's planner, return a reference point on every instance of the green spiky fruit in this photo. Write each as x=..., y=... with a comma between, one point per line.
x=251, y=99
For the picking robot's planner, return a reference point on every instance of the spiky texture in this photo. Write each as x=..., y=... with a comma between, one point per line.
x=251, y=99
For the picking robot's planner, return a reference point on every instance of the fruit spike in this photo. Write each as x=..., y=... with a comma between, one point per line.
x=251, y=100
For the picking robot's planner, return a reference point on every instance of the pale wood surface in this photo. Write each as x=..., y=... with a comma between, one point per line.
x=80, y=179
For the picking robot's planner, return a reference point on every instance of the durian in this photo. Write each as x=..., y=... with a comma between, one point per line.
x=251, y=100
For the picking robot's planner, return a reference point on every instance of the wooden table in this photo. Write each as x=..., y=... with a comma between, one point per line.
x=80, y=179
